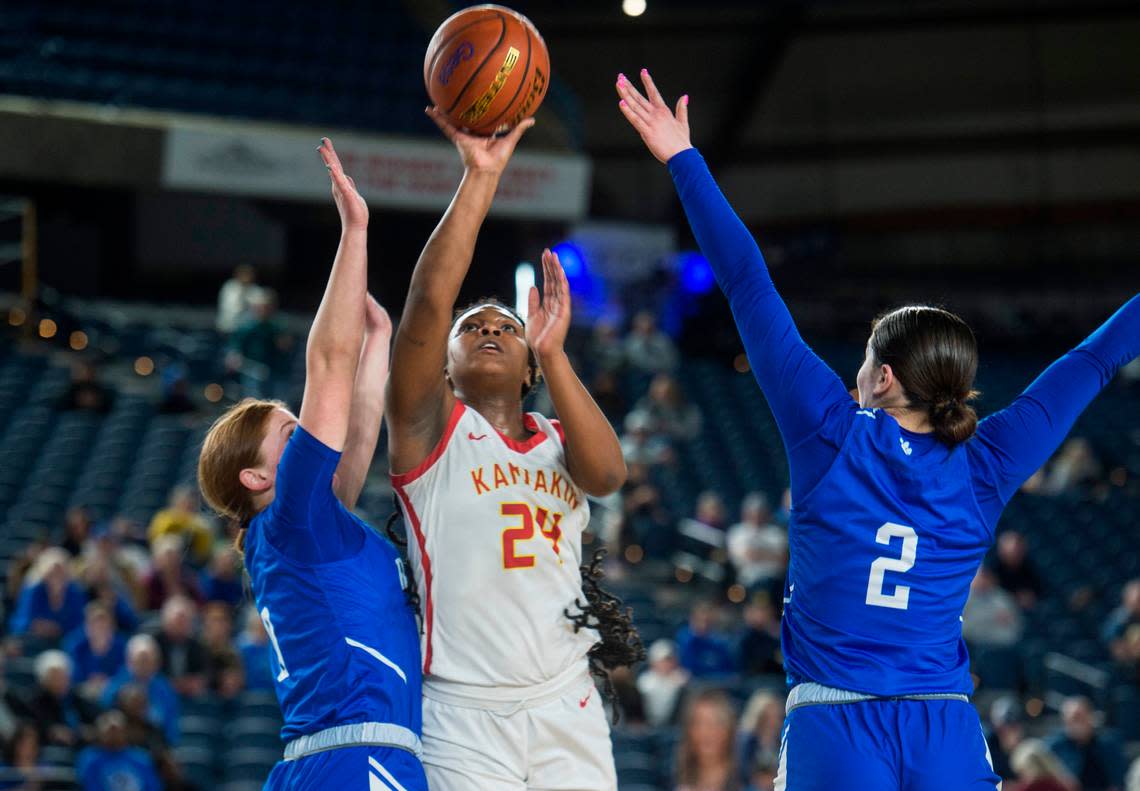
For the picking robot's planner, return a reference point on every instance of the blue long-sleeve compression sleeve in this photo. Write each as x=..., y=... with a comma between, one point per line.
x=1016, y=441
x=801, y=389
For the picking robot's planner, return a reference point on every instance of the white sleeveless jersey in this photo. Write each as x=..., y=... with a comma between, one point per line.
x=495, y=541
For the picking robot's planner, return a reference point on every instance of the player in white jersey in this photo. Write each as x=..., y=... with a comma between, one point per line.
x=495, y=503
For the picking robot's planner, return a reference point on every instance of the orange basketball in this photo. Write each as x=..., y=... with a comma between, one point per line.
x=487, y=68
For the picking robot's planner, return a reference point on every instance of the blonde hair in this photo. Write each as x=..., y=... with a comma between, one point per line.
x=688, y=768
x=1032, y=760
x=232, y=444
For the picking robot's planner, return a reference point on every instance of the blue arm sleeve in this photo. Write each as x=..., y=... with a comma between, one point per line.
x=811, y=406
x=1016, y=441
x=22, y=617
x=306, y=522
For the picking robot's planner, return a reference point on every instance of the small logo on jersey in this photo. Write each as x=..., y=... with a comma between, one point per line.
x=471, y=435
x=905, y=446
x=582, y=703
x=866, y=413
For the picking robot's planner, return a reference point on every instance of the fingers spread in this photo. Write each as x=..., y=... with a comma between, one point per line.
x=520, y=129
x=441, y=121
x=636, y=120
x=633, y=96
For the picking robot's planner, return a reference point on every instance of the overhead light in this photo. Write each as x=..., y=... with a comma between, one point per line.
x=633, y=7
x=524, y=280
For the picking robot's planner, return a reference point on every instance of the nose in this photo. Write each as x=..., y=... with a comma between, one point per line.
x=487, y=330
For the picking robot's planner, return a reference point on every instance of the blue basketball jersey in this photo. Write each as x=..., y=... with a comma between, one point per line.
x=882, y=554
x=344, y=644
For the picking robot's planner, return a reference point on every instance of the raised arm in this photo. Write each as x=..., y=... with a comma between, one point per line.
x=800, y=387
x=367, y=405
x=593, y=453
x=333, y=349
x=1020, y=438
x=419, y=399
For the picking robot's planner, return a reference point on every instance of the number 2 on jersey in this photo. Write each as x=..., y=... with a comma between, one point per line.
x=548, y=525
x=900, y=599
x=283, y=673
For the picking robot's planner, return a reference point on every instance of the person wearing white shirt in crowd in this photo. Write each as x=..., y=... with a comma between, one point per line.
x=757, y=548
x=662, y=683
x=235, y=298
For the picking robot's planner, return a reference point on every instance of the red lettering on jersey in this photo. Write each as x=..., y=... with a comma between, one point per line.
x=555, y=481
x=477, y=479
x=526, y=476
x=554, y=534
x=514, y=470
x=500, y=477
x=540, y=481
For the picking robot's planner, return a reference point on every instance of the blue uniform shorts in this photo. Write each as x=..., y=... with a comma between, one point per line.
x=886, y=745
x=350, y=768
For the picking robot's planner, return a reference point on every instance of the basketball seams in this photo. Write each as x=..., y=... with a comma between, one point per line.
x=479, y=68
x=443, y=45
x=523, y=81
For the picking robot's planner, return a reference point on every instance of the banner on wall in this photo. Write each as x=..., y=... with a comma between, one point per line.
x=388, y=171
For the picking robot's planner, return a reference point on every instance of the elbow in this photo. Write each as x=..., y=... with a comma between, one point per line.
x=606, y=481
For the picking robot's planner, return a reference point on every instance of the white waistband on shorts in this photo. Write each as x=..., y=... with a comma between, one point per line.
x=810, y=693
x=357, y=734
x=507, y=700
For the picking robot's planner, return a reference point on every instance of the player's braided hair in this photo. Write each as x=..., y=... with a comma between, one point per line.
x=621, y=644
x=411, y=593
x=532, y=361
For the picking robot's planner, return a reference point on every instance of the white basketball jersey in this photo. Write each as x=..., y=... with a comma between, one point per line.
x=495, y=541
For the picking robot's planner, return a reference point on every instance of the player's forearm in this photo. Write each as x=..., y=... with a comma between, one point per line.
x=364, y=420
x=593, y=453
x=338, y=329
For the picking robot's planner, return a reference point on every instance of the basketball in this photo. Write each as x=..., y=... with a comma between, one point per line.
x=487, y=68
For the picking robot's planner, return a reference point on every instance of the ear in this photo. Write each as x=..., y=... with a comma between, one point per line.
x=255, y=479
x=884, y=380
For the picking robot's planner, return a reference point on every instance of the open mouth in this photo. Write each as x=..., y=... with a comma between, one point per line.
x=489, y=346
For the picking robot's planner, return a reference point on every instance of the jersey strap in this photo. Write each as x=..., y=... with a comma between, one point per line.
x=358, y=734
x=812, y=694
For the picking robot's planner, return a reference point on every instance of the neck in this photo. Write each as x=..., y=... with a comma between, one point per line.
x=910, y=417
x=504, y=413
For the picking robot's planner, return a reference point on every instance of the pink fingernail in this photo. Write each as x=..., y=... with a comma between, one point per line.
x=685, y=99
x=645, y=71
x=621, y=78
x=622, y=103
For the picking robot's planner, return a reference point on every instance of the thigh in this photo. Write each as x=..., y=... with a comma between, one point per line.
x=364, y=768
x=570, y=746
x=943, y=748
x=846, y=747
x=473, y=750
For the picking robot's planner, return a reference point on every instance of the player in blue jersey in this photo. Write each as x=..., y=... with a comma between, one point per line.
x=345, y=647
x=895, y=500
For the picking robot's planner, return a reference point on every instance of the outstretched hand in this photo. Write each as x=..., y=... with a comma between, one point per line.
x=665, y=133
x=353, y=210
x=548, y=320
x=376, y=319
x=487, y=154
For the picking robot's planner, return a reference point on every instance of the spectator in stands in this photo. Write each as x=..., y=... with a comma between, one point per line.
x=19, y=568
x=112, y=764
x=783, y=514
x=221, y=581
x=661, y=684
x=639, y=445
x=235, y=298
x=86, y=392
x=706, y=758
x=143, y=665
x=259, y=347
x=1006, y=733
x=1073, y=466
x=1015, y=569
x=10, y=705
x=183, y=517
x=627, y=698
x=758, y=646
x=1121, y=631
x=991, y=617
x=757, y=547
x=606, y=390
x=98, y=652
x=184, y=658
x=1095, y=757
x=645, y=520
x=56, y=711
x=224, y=666
x=606, y=351
x=702, y=651
x=22, y=765
x=76, y=529
x=761, y=727
x=51, y=603
x=1132, y=779
x=169, y=575
x=1038, y=769
x=703, y=535
x=97, y=580
x=132, y=701
x=669, y=413
x=253, y=645
x=647, y=349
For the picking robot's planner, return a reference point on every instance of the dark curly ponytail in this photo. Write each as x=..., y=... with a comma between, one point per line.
x=934, y=356
x=621, y=644
x=411, y=593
